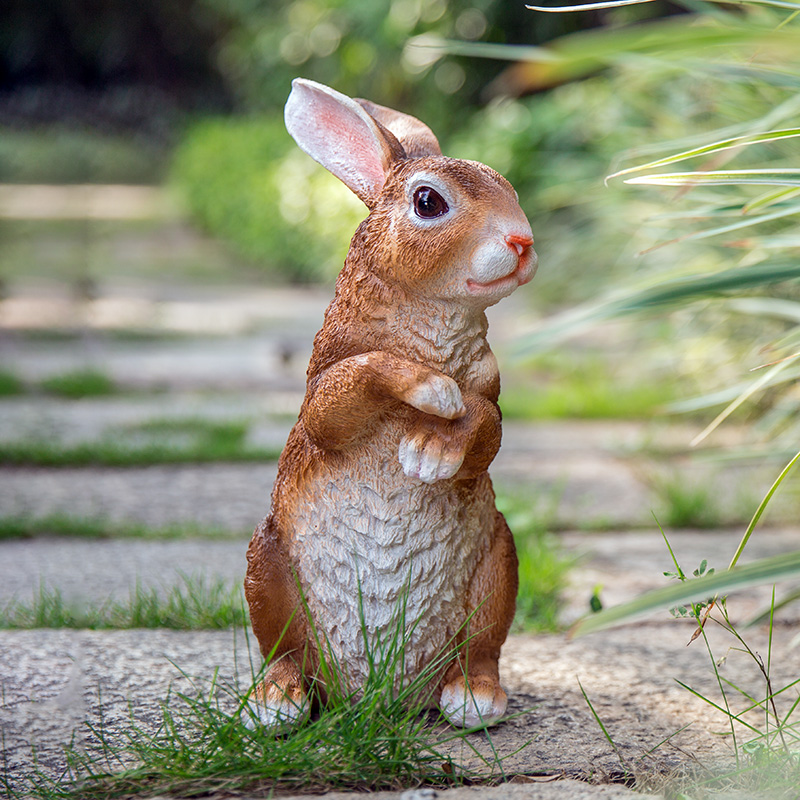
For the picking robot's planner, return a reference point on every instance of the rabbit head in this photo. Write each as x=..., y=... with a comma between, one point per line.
x=442, y=228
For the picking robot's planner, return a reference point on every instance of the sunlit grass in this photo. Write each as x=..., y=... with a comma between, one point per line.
x=193, y=604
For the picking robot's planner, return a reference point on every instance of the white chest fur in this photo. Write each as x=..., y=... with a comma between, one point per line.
x=372, y=545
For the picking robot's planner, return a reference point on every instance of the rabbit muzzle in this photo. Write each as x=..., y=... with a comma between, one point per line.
x=500, y=265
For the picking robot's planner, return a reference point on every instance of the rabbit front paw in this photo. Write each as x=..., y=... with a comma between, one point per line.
x=429, y=457
x=438, y=395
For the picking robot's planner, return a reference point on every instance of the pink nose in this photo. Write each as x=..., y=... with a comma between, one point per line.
x=519, y=243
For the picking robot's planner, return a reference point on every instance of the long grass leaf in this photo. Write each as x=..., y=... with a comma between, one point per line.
x=760, y=510
x=770, y=198
x=768, y=570
x=714, y=147
x=587, y=6
x=617, y=3
x=762, y=381
x=769, y=177
x=663, y=295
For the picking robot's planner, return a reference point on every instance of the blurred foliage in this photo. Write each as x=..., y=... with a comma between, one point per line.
x=245, y=180
x=374, y=48
x=719, y=250
x=61, y=154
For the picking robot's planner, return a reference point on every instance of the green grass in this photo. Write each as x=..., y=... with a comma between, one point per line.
x=29, y=526
x=79, y=383
x=194, y=604
x=582, y=387
x=10, y=384
x=161, y=441
x=377, y=738
x=543, y=568
x=62, y=154
x=687, y=503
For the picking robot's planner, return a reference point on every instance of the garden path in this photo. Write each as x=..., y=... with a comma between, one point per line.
x=194, y=349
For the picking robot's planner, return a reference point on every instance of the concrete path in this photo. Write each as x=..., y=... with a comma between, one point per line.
x=55, y=680
x=238, y=352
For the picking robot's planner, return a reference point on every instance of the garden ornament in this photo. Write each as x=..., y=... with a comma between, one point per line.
x=382, y=498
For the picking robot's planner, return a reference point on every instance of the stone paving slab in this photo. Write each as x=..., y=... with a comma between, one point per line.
x=85, y=570
x=546, y=789
x=234, y=497
x=55, y=679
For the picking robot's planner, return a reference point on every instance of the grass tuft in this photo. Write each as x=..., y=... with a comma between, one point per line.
x=194, y=604
x=79, y=383
x=10, y=384
x=688, y=504
x=543, y=568
x=377, y=738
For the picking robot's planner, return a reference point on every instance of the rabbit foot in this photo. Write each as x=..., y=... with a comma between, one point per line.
x=423, y=456
x=275, y=708
x=480, y=702
x=438, y=395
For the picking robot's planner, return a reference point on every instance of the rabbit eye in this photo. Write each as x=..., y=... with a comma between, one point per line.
x=428, y=203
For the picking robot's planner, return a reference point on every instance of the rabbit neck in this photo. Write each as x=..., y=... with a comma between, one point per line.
x=428, y=330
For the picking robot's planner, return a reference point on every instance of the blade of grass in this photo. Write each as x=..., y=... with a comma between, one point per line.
x=714, y=147
x=769, y=177
x=764, y=380
x=602, y=726
x=760, y=510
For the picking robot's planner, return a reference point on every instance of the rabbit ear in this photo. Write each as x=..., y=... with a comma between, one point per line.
x=338, y=133
x=415, y=136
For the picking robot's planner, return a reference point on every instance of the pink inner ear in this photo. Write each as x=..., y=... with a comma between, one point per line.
x=340, y=135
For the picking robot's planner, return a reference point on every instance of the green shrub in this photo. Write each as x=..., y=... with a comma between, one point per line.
x=246, y=181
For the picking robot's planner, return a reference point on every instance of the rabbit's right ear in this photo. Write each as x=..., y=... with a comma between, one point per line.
x=338, y=133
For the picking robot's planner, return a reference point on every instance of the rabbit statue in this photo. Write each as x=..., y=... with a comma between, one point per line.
x=382, y=495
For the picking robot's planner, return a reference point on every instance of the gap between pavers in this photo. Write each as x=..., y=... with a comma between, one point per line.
x=622, y=565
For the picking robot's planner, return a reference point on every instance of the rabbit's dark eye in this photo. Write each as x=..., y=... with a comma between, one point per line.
x=428, y=203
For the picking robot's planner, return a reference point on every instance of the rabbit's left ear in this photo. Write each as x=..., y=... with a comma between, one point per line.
x=416, y=137
x=338, y=133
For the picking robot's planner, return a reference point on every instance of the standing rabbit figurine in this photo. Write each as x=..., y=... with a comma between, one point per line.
x=383, y=498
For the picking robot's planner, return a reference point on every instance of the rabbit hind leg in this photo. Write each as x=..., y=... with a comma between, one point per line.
x=472, y=694
x=279, y=702
x=279, y=622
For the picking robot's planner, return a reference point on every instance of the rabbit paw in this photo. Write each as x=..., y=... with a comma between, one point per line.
x=428, y=457
x=438, y=395
x=467, y=705
x=276, y=709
